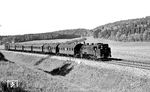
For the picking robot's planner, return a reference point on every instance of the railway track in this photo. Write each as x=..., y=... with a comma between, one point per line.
x=135, y=64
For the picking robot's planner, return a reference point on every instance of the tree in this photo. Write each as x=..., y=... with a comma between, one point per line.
x=146, y=35
x=118, y=35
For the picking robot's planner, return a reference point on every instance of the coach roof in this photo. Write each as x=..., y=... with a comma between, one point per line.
x=51, y=44
x=65, y=45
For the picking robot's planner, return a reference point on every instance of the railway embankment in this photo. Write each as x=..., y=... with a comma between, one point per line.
x=90, y=76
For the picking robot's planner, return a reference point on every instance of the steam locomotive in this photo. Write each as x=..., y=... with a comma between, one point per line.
x=79, y=50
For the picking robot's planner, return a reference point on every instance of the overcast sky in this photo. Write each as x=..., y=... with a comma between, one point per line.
x=38, y=16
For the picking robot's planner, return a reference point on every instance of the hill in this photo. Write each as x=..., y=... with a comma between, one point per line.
x=125, y=30
x=62, y=34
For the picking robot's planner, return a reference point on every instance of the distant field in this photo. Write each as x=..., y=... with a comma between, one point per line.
x=47, y=41
x=135, y=51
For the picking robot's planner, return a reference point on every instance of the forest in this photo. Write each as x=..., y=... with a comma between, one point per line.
x=125, y=30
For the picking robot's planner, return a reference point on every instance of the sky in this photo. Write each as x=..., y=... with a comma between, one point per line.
x=39, y=16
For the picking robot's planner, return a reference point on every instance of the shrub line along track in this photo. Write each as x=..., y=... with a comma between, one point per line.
x=128, y=63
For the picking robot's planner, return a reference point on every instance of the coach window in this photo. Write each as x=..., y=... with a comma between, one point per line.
x=100, y=47
x=94, y=47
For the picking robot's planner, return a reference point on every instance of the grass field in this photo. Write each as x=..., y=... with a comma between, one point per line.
x=135, y=51
x=48, y=41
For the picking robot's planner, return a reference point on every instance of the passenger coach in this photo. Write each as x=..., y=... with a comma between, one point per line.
x=86, y=50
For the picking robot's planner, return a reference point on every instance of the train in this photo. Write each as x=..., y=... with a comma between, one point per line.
x=78, y=50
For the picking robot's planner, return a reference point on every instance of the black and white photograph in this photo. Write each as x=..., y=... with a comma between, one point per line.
x=74, y=46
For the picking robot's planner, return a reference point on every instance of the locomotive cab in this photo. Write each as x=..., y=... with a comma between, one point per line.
x=104, y=50
x=96, y=51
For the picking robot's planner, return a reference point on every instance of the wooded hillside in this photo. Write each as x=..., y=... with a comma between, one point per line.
x=62, y=34
x=125, y=30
